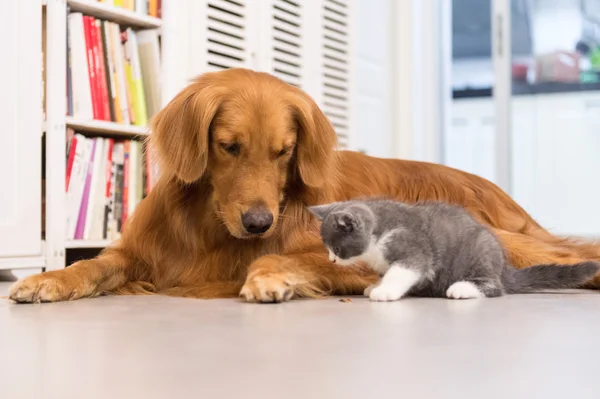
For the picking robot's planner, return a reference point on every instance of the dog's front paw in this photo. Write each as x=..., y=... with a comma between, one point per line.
x=267, y=288
x=41, y=288
x=385, y=293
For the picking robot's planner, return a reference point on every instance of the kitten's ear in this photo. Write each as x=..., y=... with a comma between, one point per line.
x=346, y=222
x=321, y=211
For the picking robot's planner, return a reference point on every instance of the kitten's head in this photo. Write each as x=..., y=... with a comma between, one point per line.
x=345, y=230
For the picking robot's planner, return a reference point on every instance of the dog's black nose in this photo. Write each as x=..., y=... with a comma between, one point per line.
x=257, y=220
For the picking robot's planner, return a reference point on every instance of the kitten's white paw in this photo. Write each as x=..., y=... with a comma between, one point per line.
x=368, y=290
x=463, y=290
x=385, y=293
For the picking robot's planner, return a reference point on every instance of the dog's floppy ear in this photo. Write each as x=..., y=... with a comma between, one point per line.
x=180, y=131
x=316, y=140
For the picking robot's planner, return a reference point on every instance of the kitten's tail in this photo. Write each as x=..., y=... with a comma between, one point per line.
x=549, y=277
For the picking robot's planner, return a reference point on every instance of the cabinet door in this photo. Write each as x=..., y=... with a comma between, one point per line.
x=20, y=132
x=567, y=165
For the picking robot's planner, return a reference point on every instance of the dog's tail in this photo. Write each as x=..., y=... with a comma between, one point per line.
x=542, y=277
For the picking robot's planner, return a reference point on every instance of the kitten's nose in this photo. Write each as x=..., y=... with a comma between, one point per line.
x=257, y=220
x=331, y=257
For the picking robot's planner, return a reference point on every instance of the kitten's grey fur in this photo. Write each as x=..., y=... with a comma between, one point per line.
x=432, y=249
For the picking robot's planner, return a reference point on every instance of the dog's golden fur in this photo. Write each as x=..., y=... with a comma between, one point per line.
x=235, y=139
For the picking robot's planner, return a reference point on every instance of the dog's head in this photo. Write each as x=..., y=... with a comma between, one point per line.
x=250, y=136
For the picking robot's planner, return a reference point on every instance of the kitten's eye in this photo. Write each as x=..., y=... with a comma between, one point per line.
x=231, y=149
x=336, y=251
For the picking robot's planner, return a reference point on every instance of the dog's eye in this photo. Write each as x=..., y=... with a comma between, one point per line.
x=283, y=152
x=233, y=149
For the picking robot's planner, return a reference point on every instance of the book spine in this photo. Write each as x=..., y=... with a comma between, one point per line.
x=149, y=56
x=120, y=73
x=139, y=99
x=118, y=200
x=126, y=182
x=109, y=177
x=100, y=79
x=71, y=159
x=95, y=216
x=81, y=90
x=107, y=73
x=69, y=71
x=77, y=183
x=89, y=45
x=127, y=75
x=85, y=198
x=115, y=105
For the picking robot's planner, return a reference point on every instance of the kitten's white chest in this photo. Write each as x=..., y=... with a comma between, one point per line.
x=373, y=256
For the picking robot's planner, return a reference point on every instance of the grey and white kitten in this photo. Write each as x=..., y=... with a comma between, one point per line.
x=432, y=249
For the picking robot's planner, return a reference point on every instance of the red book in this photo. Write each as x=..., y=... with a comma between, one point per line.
x=97, y=77
x=88, y=25
x=99, y=45
x=72, y=149
x=126, y=167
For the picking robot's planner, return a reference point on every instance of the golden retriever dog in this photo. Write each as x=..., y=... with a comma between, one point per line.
x=241, y=156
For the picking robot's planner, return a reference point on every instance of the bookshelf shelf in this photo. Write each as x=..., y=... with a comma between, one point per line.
x=114, y=14
x=112, y=128
x=87, y=244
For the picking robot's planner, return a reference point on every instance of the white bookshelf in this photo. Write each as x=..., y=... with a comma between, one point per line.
x=114, y=14
x=72, y=244
x=94, y=126
x=56, y=244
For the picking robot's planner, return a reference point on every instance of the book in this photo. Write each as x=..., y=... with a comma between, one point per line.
x=119, y=161
x=80, y=76
x=125, y=191
x=134, y=78
x=71, y=148
x=132, y=169
x=149, y=55
x=110, y=73
x=105, y=187
x=69, y=64
x=104, y=74
x=94, y=226
x=109, y=175
x=141, y=7
x=81, y=217
x=102, y=95
x=92, y=70
x=77, y=183
x=153, y=8
x=119, y=60
x=89, y=195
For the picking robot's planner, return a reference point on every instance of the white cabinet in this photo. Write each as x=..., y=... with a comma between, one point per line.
x=20, y=134
x=567, y=164
x=469, y=144
x=555, y=141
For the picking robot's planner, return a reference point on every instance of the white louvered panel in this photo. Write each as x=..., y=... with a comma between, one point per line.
x=227, y=33
x=336, y=66
x=286, y=41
